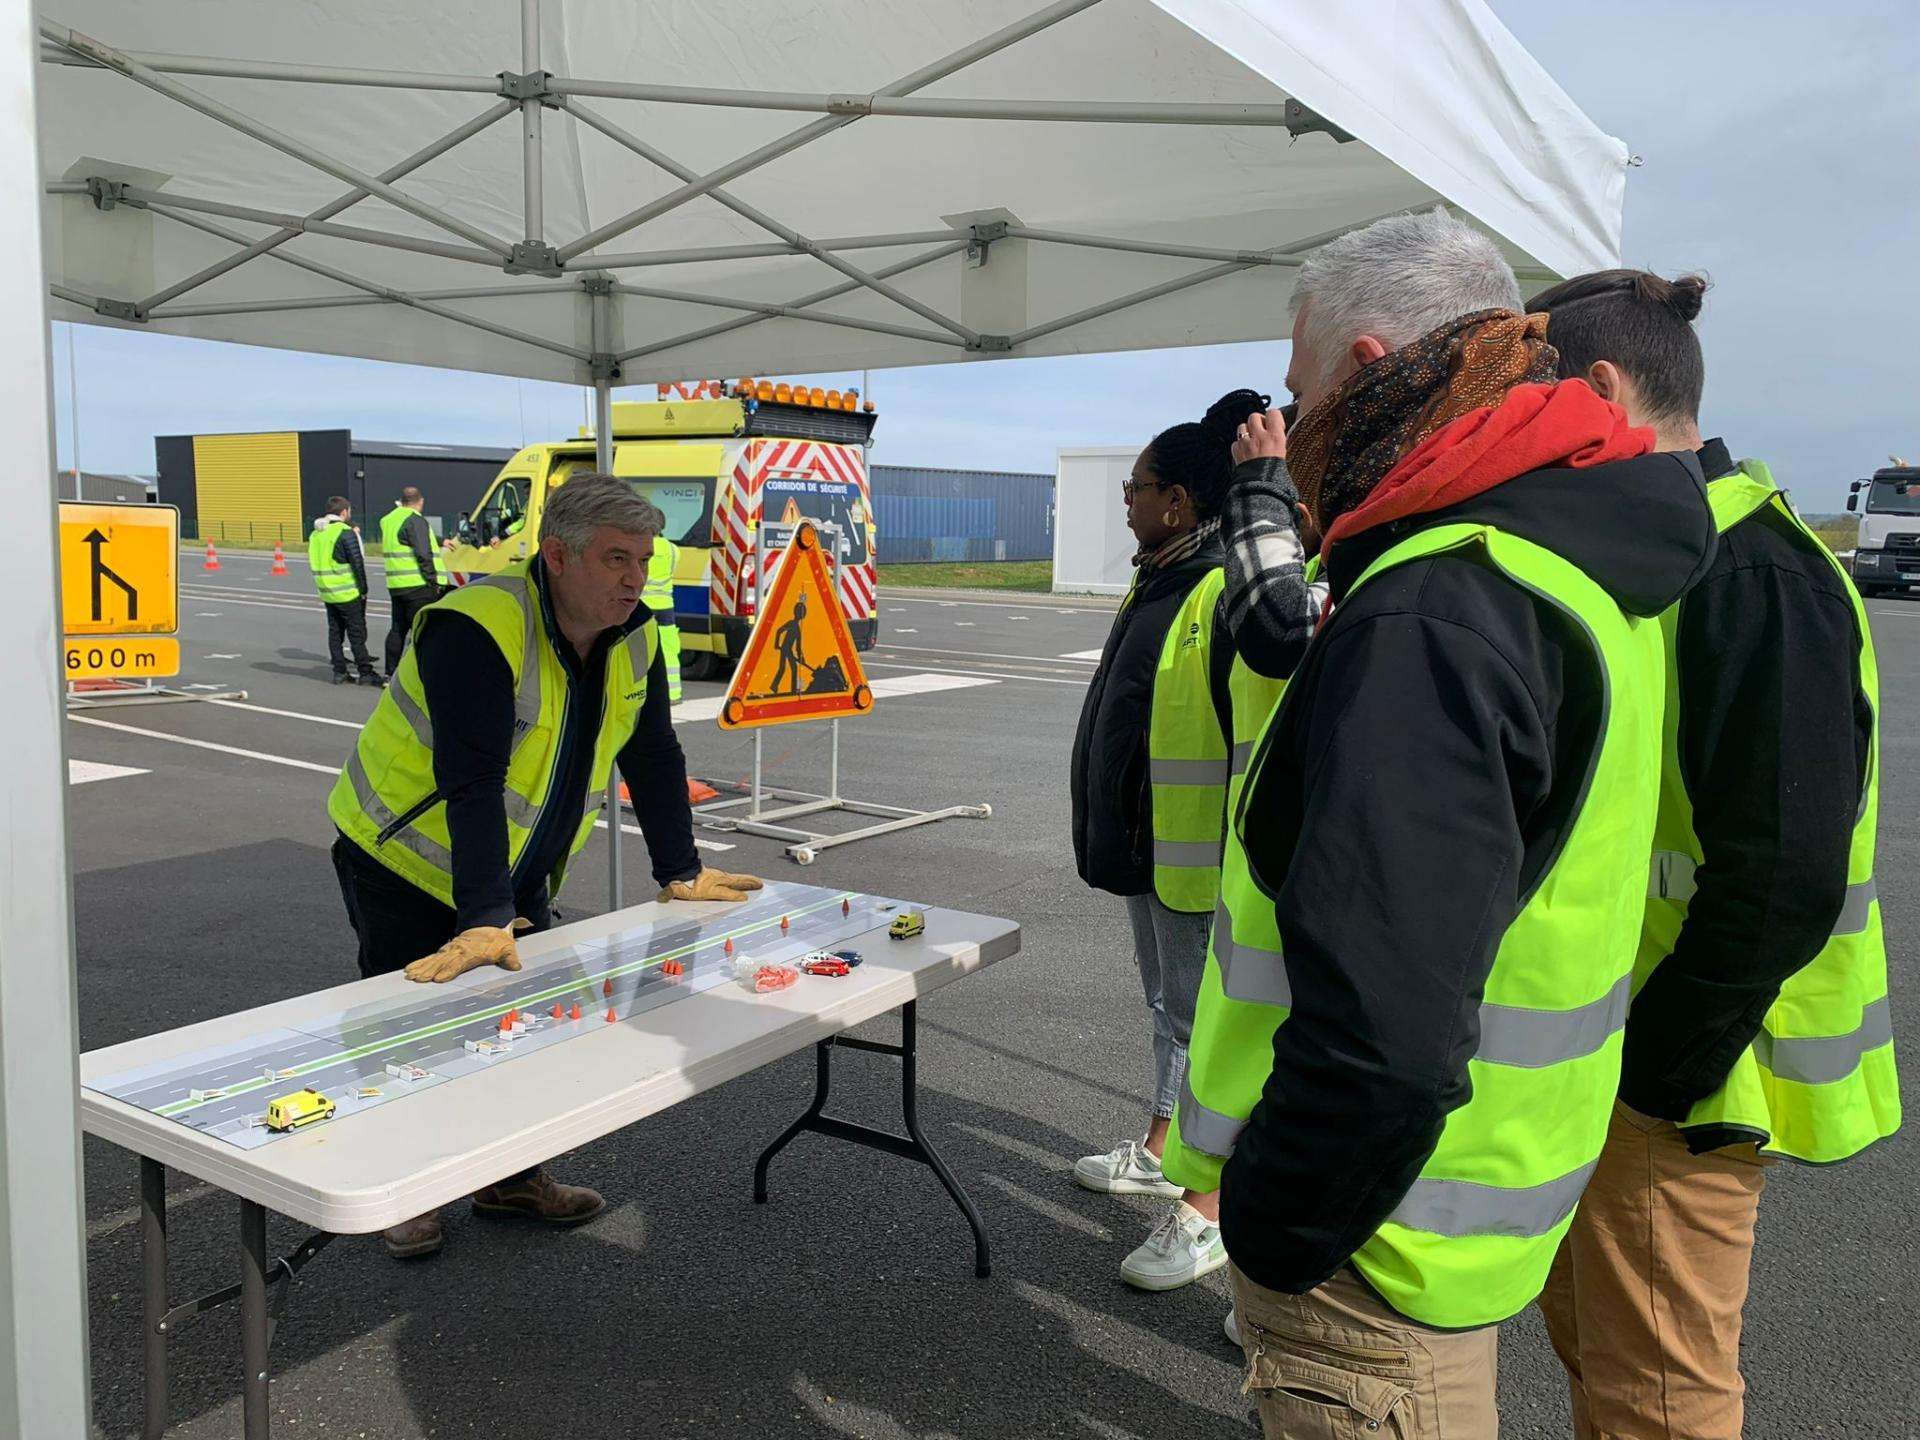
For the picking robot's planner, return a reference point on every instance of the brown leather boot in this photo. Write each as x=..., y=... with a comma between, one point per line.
x=414, y=1239
x=536, y=1195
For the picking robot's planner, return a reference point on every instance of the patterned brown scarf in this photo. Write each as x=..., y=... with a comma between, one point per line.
x=1347, y=443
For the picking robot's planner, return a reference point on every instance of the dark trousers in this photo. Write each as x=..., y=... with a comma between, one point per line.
x=397, y=922
x=406, y=605
x=347, y=620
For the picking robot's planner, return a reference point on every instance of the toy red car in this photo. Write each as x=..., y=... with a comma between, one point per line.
x=827, y=967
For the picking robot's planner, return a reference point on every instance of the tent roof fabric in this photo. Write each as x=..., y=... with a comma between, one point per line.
x=1121, y=137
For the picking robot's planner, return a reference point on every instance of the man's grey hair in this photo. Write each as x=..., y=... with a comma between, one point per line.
x=585, y=503
x=1397, y=279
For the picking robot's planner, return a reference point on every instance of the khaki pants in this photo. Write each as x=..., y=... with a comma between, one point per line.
x=1340, y=1363
x=1643, y=1304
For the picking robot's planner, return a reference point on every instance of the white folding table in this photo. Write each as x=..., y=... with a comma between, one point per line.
x=361, y=1172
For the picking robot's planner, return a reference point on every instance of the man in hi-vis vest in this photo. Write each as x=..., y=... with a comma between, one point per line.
x=1759, y=1024
x=416, y=569
x=479, y=776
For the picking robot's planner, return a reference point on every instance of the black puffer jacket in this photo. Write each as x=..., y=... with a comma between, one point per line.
x=1112, y=801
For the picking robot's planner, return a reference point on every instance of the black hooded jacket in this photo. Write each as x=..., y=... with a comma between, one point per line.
x=1112, y=799
x=1422, y=776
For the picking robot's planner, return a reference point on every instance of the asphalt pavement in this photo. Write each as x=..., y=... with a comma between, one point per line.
x=846, y=1306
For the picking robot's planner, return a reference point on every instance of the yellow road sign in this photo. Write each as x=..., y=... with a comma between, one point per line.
x=104, y=657
x=800, y=663
x=119, y=570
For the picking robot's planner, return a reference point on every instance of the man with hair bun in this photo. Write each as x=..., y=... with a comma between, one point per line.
x=1759, y=1024
x=468, y=791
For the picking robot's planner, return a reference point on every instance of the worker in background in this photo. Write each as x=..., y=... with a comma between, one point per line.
x=340, y=575
x=1759, y=1026
x=659, y=599
x=1450, y=809
x=1150, y=773
x=466, y=795
x=416, y=571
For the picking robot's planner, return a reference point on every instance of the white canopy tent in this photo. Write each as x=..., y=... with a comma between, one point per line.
x=604, y=191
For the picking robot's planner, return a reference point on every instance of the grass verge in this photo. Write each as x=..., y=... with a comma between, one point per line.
x=1027, y=575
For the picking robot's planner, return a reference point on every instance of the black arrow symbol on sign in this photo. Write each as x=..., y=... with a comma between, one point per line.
x=100, y=572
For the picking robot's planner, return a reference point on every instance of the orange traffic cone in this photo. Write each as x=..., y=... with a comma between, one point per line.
x=279, y=561
x=213, y=560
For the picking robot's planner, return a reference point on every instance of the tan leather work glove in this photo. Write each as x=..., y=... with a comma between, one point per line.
x=711, y=884
x=469, y=950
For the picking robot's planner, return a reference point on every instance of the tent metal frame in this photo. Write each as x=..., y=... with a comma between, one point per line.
x=574, y=264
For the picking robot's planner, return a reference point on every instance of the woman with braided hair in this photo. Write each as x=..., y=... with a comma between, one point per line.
x=1151, y=764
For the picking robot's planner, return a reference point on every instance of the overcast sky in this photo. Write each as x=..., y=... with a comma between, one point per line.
x=1782, y=157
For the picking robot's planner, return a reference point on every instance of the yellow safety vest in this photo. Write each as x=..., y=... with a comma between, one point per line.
x=332, y=578
x=657, y=593
x=403, y=566
x=385, y=800
x=1187, y=757
x=1818, y=1084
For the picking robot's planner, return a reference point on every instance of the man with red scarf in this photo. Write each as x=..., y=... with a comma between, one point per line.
x=1450, y=813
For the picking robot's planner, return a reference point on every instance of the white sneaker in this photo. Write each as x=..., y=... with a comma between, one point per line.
x=1127, y=1169
x=1184, y=1246
x=1231, y=1327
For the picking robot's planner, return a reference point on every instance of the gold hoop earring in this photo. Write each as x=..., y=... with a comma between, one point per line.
x=1171, y=518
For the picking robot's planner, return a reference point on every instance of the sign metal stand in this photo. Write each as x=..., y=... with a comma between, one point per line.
x=804, y=846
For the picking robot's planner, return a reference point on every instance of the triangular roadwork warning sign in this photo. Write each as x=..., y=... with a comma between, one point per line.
x=791, y=515
x=799, y=663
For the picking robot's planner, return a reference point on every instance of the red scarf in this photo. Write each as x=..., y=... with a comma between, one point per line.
x=1533, y=427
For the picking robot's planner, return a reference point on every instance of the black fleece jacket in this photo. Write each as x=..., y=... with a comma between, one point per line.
x=1423, y=775
x=469, y=689
x=1774, y=737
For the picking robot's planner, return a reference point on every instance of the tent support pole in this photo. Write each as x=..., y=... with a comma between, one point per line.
x=640, y=259
x=768, y=223
x=806, y=134
x=167, y=64
x=832, y=292
x=600, y=297
x=43, y=1285
x=1148, y=247
x=267, y=135
x=349, y=302
x=458, y=136
x=532, y=159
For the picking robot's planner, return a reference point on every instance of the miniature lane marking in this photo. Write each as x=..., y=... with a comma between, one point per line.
x=554, y=992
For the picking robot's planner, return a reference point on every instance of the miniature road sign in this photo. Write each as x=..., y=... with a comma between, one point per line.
x=799, y=663
x=119, y=569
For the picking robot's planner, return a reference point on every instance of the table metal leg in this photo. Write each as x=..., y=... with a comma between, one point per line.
x=153, y=1295
x=253, y=1315
x=914, y=1145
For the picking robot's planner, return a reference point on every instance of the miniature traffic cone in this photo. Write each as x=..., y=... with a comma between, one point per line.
x=783, y=924
x=846, y=906
x=611, y=1017
x=557, y=1012
x=505, y=1025
x=212, y=560
x=279, y=560
x=576, y=1010
x=607, y=989
x=727, y=949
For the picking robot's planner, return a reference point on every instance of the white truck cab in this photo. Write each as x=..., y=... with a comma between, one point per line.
x=1886, y=554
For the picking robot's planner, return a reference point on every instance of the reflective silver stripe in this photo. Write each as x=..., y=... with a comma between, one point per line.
x=1460, y=1208
x=411, y=711
x=1187, y=854
x=375, y=809
x=1854, y=913
x=1671, y=877
x=1821, y=1060
x=1242, y=753
x=1207, y=1131
x=1187, y=772
x=526, y=697
x=1512, y=1035
x=1246, y=971
x=520, y=810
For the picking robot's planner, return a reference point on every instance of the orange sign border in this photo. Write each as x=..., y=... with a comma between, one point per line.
x=737, y=712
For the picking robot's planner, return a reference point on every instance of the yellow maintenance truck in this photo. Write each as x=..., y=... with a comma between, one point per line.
x=718, y=466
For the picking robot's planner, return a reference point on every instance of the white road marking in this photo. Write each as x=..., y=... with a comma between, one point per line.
x=964, y=624
x=1019, y=617
x=923, y=683
x=904, y=630
x=206, y=614
x=990, y=675
x=207, y=745
x=222, y=655
x=1081, y=655
x=626, y=829
x=972, y=654
x=288, y=714
x=84, y=772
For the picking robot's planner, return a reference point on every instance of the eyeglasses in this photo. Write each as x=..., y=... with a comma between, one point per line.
x=1130, y=487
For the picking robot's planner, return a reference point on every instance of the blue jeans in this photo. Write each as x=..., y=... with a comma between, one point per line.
x=1171, y=948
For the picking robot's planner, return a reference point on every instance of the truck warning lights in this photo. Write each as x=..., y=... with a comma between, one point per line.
x=781, y=393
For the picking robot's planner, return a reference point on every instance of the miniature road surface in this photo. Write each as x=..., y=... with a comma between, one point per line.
x=203, y=888
x=387, y=1050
